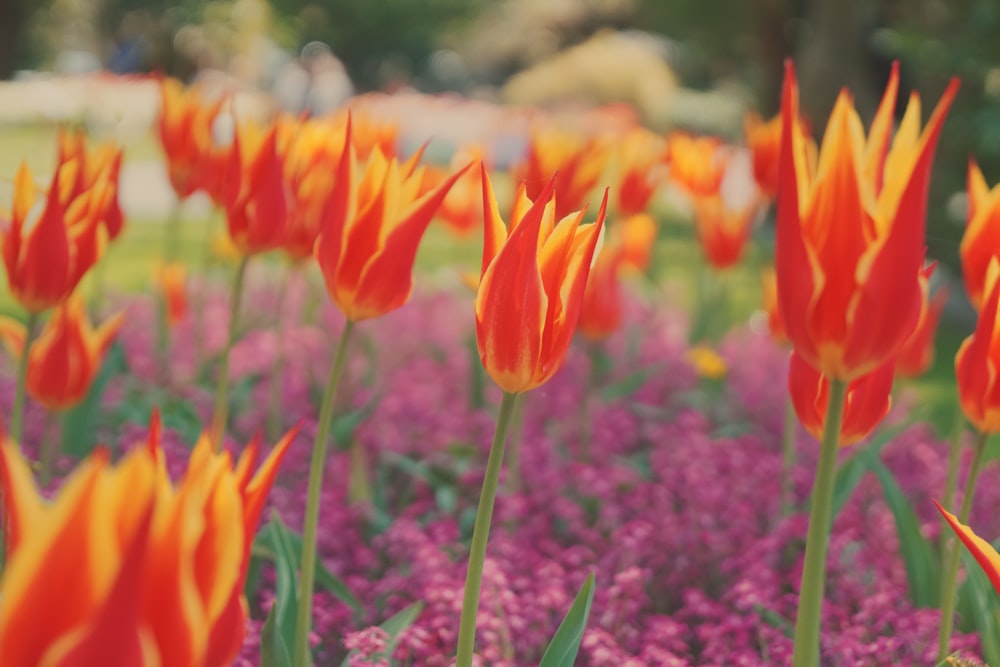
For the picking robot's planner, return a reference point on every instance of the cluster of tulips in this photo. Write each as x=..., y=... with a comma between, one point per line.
x=158, y=567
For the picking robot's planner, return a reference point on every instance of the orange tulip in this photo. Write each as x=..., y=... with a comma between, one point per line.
x=697, y=164
x=977, y=364
x=601, y=309
x=775, y=323
x=531, y=286
x=639, y=156
x=850, y=237
x=866, y=404
x=185, y=128
x=257, y=206
x=172, y=280
x=156, y=570
x=576, y=161
x=462, y=208
x=917, y=353
x=310, y=160
x=47, y=252
x=97, y=175
x=369, y=235
x=764, y=141
x=981, y=241
x=981, y=550
x=722, y=232
x=67, y=356
x=368, y=132
x=637, y=235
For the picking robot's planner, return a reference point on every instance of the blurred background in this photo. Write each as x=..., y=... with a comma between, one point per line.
x=678, y=63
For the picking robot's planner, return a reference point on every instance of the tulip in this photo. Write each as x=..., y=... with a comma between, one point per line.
x=866, y=404
x=366, y=248
x=707, y=363
x=257, y=208
x=370, y=231
x=172, y=281
x=577, y=162
x=637, y=235
x=67, y=355
x=976, y=368
x=849, y=259
x=185, y=128
x=532, y=282
x=462, y=208
x=601, y=308
x=697, y=164
x=638, y=157
x=981, y=550
x=722, y=231
x=311, y=156
x=46, y=253
x=850, y=238
x=981, y=240
x=917, y=353
x=368, y=132
x=764, y=141
x=157, y=570
x=98, y=169
x=775, y=323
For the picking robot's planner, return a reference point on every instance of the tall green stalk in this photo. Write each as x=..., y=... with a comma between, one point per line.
x=274, y=421
x=788, y=459
x=17, y=411
x=481, y=534
x=951, y=569
x=807, y=621
x=220, y=415
x=951, y=481
x=307, y=573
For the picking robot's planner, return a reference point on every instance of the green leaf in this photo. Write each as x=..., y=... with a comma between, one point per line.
x=984, y=605
x=918, y=553
x=565, y=643
x=79, y=424
x=628, y=385
x=273, y=650
x=852, y=471
x=264, y=547
x=286, y=564
x=393, y=627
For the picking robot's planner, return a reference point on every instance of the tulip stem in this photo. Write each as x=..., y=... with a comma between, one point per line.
x=307, y=573
x=278, y=363
x=514, y=444
x=788, y=459
x=951, y=481
x=807, y=621
x=481, y=534
x=951, y=569
x=17, y=411
x=220, y=415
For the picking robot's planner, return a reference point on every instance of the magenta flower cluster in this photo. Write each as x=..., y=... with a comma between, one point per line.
x=666, y=486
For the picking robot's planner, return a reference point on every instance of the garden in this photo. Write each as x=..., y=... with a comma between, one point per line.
x=628, y=398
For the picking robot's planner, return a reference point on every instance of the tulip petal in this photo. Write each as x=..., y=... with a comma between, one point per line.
x=981, y=550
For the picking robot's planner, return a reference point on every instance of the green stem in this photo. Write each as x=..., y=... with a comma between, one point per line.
x=220, y=415
x=951, y=481
x=807, y=621
x=788, y=459
x=307, y=574
x=274, y=411
x=951, y=569
x=481, y=534
x=514, y=444
x=17, y=411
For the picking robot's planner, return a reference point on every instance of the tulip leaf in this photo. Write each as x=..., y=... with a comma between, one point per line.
x=565, y=644
x=628, y=385
x=79, y=424
x=265, y=547
x=918, y=552
x=393, y=627
x=285, y=592
x=983, y=606
x=274, y=652
x=853, y=470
